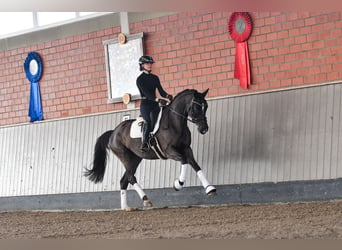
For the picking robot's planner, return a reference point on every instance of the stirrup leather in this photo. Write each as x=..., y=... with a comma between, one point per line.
x=154, y=145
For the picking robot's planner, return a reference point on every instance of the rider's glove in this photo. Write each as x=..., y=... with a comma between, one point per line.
x=162, y=102
x=170, y=97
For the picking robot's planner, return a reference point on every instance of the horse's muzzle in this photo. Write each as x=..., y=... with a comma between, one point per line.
x=203, y=129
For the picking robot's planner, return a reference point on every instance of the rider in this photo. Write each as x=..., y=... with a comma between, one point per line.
x=151, y=93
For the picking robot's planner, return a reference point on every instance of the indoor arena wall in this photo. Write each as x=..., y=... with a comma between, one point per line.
x=280, y=136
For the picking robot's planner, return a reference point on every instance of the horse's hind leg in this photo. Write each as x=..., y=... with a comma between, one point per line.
x=133, y=181
x=131, y=163
x=125, y=180
x=123, y=193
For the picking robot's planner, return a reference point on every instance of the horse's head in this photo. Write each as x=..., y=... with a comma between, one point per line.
x=197, y=111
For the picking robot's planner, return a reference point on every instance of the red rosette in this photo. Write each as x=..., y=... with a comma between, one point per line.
x=236, y=36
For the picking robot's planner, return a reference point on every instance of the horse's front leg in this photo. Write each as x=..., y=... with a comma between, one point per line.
x=209, y=189
x=179, y=183
x=189, y=159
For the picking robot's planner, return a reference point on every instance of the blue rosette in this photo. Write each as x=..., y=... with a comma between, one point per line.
x=33, y=67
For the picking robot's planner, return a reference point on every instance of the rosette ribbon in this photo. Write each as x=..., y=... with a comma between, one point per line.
x=240, y=36
x=33, y=69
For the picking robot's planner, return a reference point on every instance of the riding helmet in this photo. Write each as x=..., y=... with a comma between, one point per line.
x=145, y=59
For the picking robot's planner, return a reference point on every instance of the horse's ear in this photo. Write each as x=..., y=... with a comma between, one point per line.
x=205, y=93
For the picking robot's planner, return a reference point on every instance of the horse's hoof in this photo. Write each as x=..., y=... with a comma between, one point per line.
x=177, y=185
x=129, y=209
x=210, y=190
x=147, y=203
x=212, y=193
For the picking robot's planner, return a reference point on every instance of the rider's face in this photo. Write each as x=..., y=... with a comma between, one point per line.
x=147, y=66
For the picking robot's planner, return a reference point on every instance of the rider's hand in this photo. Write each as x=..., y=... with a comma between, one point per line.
x=170, y=97
x=162, y=102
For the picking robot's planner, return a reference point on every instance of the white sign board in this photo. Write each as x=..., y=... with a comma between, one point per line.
x=122, y=65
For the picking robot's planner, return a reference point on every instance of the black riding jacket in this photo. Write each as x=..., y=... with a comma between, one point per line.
x=147, y=85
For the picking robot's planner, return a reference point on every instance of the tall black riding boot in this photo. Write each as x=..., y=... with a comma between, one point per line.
x=145, y=136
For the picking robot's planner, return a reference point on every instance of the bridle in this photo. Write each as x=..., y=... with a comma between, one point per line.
x=189, y=112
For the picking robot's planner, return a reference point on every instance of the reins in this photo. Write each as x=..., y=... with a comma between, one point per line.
x=179, y=114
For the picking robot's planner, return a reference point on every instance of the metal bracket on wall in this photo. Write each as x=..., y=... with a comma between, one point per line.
x=124, y=24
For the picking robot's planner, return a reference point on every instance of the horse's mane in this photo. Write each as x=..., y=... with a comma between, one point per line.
x=185, y=91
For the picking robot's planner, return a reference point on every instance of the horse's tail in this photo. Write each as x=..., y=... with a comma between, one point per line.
x=100, y=158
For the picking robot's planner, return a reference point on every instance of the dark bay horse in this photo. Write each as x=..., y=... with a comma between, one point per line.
x=174, y=138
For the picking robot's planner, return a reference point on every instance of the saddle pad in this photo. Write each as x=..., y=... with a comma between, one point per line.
x=136, y=127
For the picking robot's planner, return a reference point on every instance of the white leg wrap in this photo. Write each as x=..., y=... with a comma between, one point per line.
x=209, y=189
x=203, y=179
x=123, y=199
x=139, y=190
x=184, y=172
x=177, y=185
x=207, y=186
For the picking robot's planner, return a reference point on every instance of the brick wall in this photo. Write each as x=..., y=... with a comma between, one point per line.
x=192, y=50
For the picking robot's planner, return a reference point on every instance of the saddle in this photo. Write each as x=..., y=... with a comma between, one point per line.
x=136, y=132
